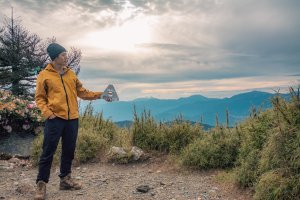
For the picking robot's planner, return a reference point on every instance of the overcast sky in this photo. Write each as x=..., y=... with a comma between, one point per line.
x=172, y=49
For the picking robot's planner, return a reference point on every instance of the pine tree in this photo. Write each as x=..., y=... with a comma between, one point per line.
x=23, y=55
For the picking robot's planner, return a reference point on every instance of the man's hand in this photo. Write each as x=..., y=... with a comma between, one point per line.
x=107, y=98
x=52, y=116
x=110, y=94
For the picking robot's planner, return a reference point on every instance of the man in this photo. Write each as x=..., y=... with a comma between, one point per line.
x=56, y=94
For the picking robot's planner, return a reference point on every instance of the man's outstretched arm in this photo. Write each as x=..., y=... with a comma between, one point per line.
x=86, y=94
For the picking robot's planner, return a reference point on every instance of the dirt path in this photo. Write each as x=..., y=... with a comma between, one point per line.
x=110, y=181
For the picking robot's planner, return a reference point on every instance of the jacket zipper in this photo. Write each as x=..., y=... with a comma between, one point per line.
x=62, y=80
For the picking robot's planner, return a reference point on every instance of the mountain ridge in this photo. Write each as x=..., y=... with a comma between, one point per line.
x=192, y=108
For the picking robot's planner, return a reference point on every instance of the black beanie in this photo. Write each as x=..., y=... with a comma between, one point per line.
x=54, y=50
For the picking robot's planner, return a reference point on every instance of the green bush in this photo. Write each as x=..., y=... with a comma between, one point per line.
x=217, y=149
x=147, y=133
x=283, y=148
x=282, y=154
x=179, y=134
x=269, y=158
x=281, y=151
x=247, y=171
x=274, y=186
x=122, y=138
x=254, y=133
x=89, y=145
x=169, y=137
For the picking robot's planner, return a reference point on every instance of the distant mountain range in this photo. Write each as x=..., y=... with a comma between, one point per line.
x=193, y=108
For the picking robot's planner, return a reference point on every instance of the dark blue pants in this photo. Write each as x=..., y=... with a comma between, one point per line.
x=55, y=129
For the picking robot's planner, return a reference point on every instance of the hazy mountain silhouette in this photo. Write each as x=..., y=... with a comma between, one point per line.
x=192, y=108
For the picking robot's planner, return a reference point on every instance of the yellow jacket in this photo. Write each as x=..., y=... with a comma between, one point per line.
x=57, y=94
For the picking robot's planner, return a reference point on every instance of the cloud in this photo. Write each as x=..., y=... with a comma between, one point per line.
x=197, y=41
x=178, y=63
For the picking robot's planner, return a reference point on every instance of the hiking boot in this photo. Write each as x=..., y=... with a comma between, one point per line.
x=68, y=183
x=40, y=191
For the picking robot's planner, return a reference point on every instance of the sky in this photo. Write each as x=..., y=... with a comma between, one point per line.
x=169, y=49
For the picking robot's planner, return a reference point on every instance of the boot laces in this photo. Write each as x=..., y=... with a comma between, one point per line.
x=70, y=180
x=40, y=187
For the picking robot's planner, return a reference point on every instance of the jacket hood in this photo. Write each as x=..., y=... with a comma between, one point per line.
x=50, y=68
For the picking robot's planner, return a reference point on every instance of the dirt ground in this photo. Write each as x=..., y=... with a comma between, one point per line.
x=107, y=181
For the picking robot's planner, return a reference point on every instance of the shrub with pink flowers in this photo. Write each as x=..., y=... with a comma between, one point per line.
x=17, y=114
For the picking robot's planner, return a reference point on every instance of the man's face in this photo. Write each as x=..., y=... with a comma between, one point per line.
x=62, y=59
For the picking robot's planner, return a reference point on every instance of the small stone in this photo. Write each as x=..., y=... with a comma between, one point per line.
x=212, y=191
x=143, y=188
x=137, y=153
x=13, y=160
x=162, y=183
x=104, y=180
